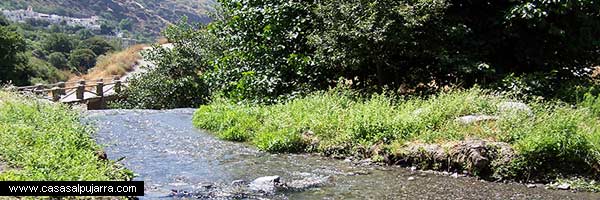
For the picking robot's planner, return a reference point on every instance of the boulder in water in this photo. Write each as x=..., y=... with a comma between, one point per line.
x=308, y=181
x=265, y=184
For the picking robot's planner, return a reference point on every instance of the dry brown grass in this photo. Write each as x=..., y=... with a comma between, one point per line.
x=596, y=72
x=162, y=40
x=114, y=64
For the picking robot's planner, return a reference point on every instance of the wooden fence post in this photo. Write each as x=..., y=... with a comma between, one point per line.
x=117, y=83
x=80, y=90
x=39, y=88
x=100, y=88
x=56, y=92
x=62, y=90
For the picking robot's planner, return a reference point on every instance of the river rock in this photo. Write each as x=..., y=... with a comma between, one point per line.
x=238, y=182
x=454, y=175
x=514, y=107
x=411, y=178
x=470, y=119
x=308, y=182
x=474, y=156
x=265, y=184
x=564, y=186
x=101, y=155
x=471, y=154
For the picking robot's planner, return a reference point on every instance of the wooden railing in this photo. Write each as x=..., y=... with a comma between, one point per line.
x=62, y=89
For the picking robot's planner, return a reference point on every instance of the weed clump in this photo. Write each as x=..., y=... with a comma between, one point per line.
x=42, y=141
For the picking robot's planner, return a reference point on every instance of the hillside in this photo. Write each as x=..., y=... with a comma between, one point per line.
x=141, y=16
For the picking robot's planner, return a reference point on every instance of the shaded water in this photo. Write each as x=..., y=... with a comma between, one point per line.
x=168, y=153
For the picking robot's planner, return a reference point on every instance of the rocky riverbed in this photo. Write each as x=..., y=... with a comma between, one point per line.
x=176, y=160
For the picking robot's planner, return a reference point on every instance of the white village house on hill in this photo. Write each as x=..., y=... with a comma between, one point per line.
x=22, y=15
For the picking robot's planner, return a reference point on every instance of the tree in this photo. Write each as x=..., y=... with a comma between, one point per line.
x=284, y=47
x=84, y=34
x=266, y=55
x=4, y=21
x=13, y=62
x=82, y=59
x=58, y=60
x=58, y=42
x=97, y=44
x=125, y=24
x=107, y=29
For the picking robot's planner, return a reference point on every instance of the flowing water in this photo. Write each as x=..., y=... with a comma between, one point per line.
x=169, y=154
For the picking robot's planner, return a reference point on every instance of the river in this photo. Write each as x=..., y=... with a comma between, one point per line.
x=177, y=160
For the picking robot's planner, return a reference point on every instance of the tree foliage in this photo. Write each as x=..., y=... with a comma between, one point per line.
x=270, y=51
x=174, y=82
x=266, y=55
x=58, y=42
x=13, y=62
x=283, y=47
x=58, y=60
x=97, y=44
x=82, y=59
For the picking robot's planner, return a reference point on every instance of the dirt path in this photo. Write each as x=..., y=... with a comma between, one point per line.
x=143, y=64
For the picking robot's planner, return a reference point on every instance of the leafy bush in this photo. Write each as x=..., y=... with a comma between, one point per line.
x=264, y=54
x=276, y=50
x=58, y=60
x=12, y=60
x=174, y=81
x=82, y=59
x=42, y=141
x=97, y=44
x=156, y=90
x=40, y=71
x=58, y=42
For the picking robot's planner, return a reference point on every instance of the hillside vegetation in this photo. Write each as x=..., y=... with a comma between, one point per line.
x=114, y=64
x=149, y=16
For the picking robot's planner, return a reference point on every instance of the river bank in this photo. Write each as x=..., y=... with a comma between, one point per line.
x=44, y=141
x=465, y=131
x=177, y=160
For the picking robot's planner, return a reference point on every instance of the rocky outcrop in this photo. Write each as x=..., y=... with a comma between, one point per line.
x=474, y=156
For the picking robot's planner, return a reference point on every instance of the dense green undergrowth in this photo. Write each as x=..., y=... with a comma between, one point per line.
x=46, y=142
x=551, y=139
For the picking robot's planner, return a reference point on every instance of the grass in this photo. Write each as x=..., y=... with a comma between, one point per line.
x=42, y=141
x=553, y=140
x=114, y=64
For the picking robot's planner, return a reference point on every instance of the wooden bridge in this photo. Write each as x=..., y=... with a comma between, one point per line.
x=94, y=94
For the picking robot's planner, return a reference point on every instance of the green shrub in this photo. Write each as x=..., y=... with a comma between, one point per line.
x=558, y=143
x=174, y=81
x=81, y=60
x=230, y=124
x=279, y=140
x=46, y=142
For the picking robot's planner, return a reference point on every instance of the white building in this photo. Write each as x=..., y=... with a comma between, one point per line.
x=22, y=15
